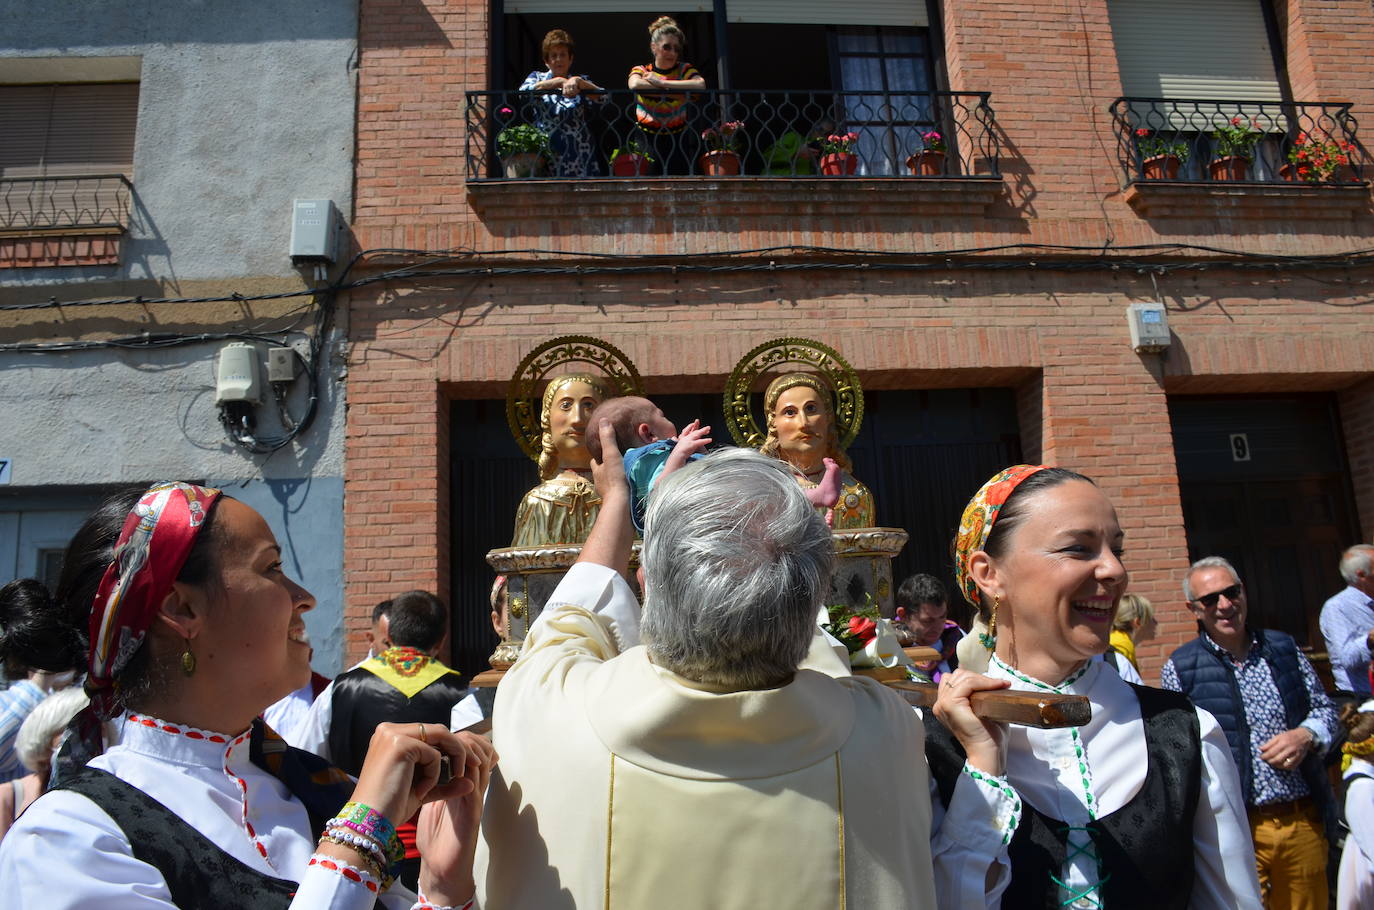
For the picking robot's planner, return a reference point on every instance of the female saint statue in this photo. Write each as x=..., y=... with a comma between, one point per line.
x=562, y=508
x=802, y=432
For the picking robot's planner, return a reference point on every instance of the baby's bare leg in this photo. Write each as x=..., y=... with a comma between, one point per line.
x=826, y=493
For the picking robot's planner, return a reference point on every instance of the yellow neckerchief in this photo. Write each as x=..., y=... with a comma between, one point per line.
x=406, y=669
x=1362, y=749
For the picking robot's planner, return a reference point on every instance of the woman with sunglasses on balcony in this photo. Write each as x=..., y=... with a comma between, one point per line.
x=661, y=119
x=562, y=112
x=1141, y=806
x=175, y=603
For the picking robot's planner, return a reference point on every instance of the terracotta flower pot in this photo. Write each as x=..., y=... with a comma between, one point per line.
x=1289, y=172
x=523, y=164
x=926, y=163
x=1232, y=167
x=720, y=163
x=1160, y=167
x=628, y=164
x=839, y=164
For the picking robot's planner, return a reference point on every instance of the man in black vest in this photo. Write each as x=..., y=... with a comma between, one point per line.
x=405, y=683
x=1278, y=722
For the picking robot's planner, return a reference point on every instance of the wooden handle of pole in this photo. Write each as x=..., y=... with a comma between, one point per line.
x=1030, y=709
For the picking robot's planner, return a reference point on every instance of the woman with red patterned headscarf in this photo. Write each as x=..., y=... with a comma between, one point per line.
x=1140, y=807
x=178, y=609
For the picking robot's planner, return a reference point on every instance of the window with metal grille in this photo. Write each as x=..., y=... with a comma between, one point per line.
x=66, y=155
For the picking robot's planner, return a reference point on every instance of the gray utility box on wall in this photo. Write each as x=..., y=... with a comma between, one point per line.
x=314, y=231
x=1149, y=327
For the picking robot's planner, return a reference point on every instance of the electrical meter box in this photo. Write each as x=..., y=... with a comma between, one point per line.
x=314, y=231
x=237, y=377
x=1149, y=327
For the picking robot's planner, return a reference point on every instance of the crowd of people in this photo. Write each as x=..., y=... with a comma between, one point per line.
x=708, y=746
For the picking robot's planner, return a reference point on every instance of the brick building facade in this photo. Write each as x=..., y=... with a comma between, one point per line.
x=1015, y=284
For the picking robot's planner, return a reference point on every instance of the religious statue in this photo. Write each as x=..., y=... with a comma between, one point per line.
x=802, y=432
x=813, y=412
x=561, y=509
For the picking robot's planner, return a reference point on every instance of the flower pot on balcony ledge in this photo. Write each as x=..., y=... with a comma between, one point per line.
x=630, y=164
x=839, y=164
x=926, y=163
x=1231, y=167
x=523, y=164
x=719, y=163
x=1160, y=167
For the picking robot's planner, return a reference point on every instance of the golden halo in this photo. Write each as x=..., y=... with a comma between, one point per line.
x=522, y=399
x=816, y=357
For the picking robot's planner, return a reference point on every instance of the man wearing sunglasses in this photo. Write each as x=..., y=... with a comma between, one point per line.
x=1278, y=722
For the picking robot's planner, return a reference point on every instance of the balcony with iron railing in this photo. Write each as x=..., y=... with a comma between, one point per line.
x=1170, y=148
x=944, y=143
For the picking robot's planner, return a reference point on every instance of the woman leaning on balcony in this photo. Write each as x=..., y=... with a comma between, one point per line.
x=661, y=119
x=562, y=112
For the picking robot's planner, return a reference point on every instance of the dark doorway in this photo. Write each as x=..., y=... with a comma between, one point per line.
x=1264, y=483
x=923, y=453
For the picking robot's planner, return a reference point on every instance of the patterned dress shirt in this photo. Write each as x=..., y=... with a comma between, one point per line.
x=16, y=703
x=1346, y=621
x=1264, y=715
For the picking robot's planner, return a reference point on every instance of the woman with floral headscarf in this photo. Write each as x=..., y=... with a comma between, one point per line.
x=177, y=606
x=1138, y=808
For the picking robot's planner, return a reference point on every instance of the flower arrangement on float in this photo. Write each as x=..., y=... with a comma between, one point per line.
x=869, y=639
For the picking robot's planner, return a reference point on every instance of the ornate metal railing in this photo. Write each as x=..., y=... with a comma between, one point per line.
x=781, y=134
x=1237, y=141
x=96, y=202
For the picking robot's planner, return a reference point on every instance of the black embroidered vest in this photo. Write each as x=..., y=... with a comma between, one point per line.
x=1145, y=847
x=198, y=873
x=362, y=700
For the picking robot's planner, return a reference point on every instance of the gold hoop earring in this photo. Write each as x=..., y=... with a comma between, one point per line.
x=188, y=660
x=989, y=638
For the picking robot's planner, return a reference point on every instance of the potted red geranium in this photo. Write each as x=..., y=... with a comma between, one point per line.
x=1235, y=149
x=1313, y=159
x=721, y=160
x=1160, y=158
x=929, y=161
x=837, y=154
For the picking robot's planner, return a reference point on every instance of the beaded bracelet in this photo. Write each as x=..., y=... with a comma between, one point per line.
x=360, y=842
x=368, y=821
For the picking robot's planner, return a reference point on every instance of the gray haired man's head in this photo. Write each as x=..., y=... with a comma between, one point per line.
x=736, y=563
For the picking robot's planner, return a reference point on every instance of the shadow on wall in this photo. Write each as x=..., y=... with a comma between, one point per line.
x=408, y=24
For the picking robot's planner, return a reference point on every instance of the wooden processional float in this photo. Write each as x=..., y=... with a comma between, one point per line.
x=813, y=408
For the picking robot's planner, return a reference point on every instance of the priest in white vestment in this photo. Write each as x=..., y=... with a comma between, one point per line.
x=728, y=762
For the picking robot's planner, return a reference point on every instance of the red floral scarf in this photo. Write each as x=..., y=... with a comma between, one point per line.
x=979, y=516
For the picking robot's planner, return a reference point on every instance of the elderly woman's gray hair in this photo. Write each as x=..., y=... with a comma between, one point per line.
x=736, y=562
x=33, y=743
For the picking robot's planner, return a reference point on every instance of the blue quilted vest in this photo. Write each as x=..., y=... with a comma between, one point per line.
x=1209, y=679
